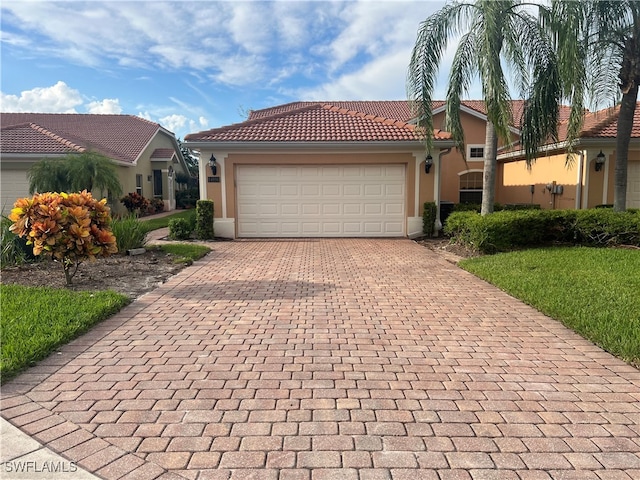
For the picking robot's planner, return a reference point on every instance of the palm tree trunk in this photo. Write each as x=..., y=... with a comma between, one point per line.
x=625, y=125
x=489, y=175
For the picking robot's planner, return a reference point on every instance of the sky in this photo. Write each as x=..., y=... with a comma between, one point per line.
x=196, y=65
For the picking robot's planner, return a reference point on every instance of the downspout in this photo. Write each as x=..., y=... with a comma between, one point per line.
x=580, y=178
x=438, y=223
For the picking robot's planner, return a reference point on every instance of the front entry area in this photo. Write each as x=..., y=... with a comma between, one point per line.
x=321, y=201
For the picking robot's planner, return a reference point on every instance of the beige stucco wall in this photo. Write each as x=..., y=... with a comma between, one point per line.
x=515, y=180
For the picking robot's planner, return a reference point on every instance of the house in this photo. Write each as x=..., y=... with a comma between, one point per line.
x=314, y=169
x=584, y=179
x=147, y=155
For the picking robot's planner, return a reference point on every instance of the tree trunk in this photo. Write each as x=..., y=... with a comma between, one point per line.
x=490, y=164
x=625, y=125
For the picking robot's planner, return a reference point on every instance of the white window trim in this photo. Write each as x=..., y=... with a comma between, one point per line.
x=469, y=147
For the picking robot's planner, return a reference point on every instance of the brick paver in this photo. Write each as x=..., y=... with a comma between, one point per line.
x=332, y=359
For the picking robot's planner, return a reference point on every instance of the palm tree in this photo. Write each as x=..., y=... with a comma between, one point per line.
x=91, y=170
x=498, y=32
x=74, y=173
x=48, y=175
x=598, y=46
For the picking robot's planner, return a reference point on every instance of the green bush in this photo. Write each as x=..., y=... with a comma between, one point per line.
x=130, y=232
x=187, y=198
x=204, y=220
x=429, y=218
x=604, y=227
x=14, y=250
x=180, y=229
x=511, y=230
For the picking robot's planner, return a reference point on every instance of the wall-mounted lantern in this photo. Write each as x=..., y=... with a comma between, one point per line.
x=600, y=159
x=428, y=163
x=213, y=165
x=170, y=172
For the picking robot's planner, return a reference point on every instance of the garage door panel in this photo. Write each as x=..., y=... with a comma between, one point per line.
x=335, y=200
x=290, y=209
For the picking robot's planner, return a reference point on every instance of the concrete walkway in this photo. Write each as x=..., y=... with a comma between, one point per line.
x=328, y=359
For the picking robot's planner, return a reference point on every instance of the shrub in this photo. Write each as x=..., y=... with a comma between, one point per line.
x=14, y=250
x=70, y=227
x=429, y=218
x=130, y=233
x=156, y=205
x=180, y=229
x=509, y=230
x=605, y=227
x=134, y=202
x=187, y=198
x=204, y=220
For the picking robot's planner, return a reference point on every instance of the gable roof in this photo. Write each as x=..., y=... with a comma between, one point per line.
x=120, y=137
x=600, y=125
x=318, y=122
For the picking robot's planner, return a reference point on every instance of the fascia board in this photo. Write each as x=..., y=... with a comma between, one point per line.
x=317, y=146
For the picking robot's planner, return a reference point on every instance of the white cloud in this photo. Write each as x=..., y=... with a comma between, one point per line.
x=173, y=122
x=108, y=105
x=58, y=98
x=380, y=79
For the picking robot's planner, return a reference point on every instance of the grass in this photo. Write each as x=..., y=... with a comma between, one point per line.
x=185, y=252
x=163, y=222
x=37, y=320
x=593, y=291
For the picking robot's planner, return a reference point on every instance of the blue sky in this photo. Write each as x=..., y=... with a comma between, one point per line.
x=191, y=66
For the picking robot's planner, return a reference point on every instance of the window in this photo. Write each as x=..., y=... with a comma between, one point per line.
x=139, y=184
x=471, y=187
x=157, y=183
x=476, y=153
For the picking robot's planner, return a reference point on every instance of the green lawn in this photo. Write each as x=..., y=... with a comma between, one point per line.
x=594, y=291
x=36, y=320
x=163, y=222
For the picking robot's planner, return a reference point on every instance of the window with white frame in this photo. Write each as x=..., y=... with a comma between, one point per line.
x=471, y=187
x=475, y=153
x=139, y=184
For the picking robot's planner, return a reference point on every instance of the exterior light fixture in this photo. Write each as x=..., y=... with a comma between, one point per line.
x=600, y=159
x=428, y=163
x=213, y=165
x=170, y=172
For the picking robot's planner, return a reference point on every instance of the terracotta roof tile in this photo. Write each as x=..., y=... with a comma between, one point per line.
x=120, y=137
x=315, y=122
x=163, y=153
x=32, y=138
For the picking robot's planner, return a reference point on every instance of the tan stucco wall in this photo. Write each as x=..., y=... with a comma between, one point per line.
x=145, y=167
x=453, y=164
x=515, y=179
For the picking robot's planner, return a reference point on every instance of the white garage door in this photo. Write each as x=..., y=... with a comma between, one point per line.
x=14, y=185
x=633, y=185
x=321, y=200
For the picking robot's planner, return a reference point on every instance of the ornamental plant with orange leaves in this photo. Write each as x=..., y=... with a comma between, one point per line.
x=68, y=227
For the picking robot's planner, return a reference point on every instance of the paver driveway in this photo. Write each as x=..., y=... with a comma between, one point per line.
x=332, y=359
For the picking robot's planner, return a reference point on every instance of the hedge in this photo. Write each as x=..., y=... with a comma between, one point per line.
x=509, y=230
x=429, y=218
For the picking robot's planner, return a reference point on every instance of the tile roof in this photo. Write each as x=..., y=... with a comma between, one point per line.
x=396, y=109
x=120, y=137
x=163, y=153
x=315, y=122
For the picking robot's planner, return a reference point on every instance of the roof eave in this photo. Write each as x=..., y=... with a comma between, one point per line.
x=272, y=146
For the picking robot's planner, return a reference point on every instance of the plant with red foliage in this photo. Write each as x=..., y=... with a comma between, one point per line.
x=69, y=227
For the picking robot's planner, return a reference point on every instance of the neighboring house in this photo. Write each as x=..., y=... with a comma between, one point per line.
x=147, y=155
x=313, y=169
x=585, y=181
